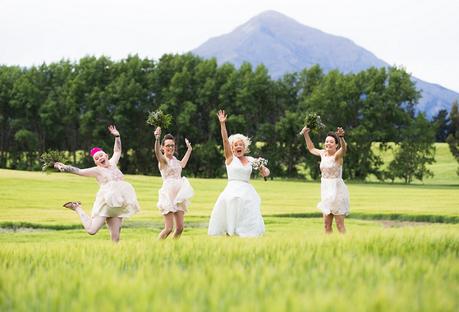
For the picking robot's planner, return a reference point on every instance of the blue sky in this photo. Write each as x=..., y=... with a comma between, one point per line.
x=422, y=36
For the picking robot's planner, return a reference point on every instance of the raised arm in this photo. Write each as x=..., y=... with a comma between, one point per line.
x=309, y=144
x=117, y=147
x=226, y=146
x=187, y=155
x=89, y=172
x=159, y=156
x=343, y=145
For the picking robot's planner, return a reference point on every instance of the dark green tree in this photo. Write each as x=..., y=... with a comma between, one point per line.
x=453, y=137
x=415, y=152
x=441, y=123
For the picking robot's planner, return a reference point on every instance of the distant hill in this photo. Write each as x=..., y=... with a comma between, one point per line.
x=284, y=45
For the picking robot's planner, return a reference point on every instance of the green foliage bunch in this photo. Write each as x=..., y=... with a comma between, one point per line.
x=313, y=121
x=50, y=158
x=159, y=119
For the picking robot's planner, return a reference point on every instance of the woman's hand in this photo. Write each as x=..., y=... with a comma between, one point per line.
x=305, y=130
x=188, y=144
x=113, y=130
x=340, y=132
x=59, y=166
x=264, y=172
x=221, y=116
x=157, y=132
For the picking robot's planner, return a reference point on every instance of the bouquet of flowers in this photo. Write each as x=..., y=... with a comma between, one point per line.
x=159, y=119
x=50, y=158
x=258, y=162
x=313, y=122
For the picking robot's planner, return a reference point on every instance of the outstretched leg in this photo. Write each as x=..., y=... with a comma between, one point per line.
x=168, y=226
x=179, y=216
x=91, y=225
x=114, y=226
x=340, y=223
x=328, y=220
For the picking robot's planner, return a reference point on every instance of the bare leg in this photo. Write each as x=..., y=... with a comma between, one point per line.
x=114, y=226
x=168, y=225
x=91, y=225
x=328, y=219
x=178, y=223
x=340, y=224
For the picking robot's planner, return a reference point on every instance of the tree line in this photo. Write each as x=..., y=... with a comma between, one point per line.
x=67, y=106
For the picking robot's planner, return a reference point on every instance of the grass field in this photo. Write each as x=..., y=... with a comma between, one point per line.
x=386, y=261
x=292, y=268
x=444, y=167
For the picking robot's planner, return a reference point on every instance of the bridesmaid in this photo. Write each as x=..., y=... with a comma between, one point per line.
x=237, y=210
x=116, y=198
x=333, y=192
x=176, y=191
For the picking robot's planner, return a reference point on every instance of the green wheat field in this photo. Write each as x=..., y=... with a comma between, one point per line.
x=400, y=253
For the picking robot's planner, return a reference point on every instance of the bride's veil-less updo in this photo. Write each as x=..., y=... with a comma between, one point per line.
x=240, y=137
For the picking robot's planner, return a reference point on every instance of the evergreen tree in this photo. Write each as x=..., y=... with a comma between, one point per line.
x=453, y=137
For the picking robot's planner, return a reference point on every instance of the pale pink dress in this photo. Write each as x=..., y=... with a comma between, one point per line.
x=176, y=191
x=115, y=198
x=333, y=192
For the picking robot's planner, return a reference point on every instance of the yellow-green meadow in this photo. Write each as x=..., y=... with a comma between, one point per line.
x=386, y=261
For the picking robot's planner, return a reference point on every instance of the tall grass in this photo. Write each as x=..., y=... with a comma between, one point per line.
x=293, y=268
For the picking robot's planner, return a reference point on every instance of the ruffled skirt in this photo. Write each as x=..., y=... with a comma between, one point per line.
x=334, y=197
x=116, y=199
x=175, y=195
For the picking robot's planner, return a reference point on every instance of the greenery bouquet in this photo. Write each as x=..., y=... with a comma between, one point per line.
x=313, y=122
x=50, y=158
x=159, y=119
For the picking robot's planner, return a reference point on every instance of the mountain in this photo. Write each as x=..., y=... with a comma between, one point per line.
x=284, y=45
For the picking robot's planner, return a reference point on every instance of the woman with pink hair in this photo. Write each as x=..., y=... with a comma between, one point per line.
x=116, y=198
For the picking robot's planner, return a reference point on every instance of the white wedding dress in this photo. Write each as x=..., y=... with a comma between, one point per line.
x=237, y=210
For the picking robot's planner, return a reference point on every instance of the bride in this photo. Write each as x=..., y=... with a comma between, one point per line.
x=237, y=210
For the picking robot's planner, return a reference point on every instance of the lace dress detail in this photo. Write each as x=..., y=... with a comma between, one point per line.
x=116, y=197
x=333, y=192
x=176, y=191
x=237, y=210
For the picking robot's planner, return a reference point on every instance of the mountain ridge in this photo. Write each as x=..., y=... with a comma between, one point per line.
x=284, y=45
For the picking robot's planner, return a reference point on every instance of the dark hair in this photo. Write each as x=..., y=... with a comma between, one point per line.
x=333, y=135
x=167, y=137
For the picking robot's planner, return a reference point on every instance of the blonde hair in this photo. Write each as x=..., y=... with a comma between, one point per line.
x=240, y=137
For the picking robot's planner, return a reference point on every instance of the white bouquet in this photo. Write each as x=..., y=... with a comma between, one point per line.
x=257, y=163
